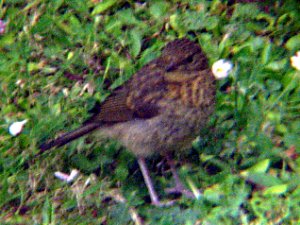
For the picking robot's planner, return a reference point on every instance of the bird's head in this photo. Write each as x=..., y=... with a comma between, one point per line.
x=185, y=55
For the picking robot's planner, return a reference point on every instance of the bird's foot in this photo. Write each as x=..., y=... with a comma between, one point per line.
x=163, y=203
x=180, y=190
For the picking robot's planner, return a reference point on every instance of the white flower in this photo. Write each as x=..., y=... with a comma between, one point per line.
x=221, y=68
x=295, y=61
x=16, y=127
x=65, y=92
x=67, y=177
x=20, y=83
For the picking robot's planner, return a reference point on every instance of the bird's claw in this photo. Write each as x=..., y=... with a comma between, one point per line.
x=163, y=203
x=180, y=190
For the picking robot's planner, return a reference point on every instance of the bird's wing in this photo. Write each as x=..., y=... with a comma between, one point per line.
x=137, y=98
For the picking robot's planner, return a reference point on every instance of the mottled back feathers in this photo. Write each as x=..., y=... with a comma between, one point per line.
x=179, y=76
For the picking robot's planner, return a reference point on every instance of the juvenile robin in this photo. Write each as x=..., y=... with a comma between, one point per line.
x=159, y=110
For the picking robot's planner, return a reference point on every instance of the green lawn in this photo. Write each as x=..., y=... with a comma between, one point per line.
x=58, y=58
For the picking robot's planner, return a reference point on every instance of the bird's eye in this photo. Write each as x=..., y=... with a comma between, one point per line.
x=190, y=59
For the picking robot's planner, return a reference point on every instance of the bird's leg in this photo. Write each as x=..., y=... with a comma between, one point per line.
x=153, y=195
x=179, y=187
x=148, y=181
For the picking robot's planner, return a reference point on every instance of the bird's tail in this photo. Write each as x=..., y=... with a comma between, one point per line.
x=68, y=137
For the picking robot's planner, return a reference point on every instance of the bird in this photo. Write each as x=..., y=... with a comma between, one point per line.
x=159, y=110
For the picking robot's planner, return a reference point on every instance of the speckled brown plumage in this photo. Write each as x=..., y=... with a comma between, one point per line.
x=160, y=109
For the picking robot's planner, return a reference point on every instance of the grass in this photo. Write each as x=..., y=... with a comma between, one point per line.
x=59, y=57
